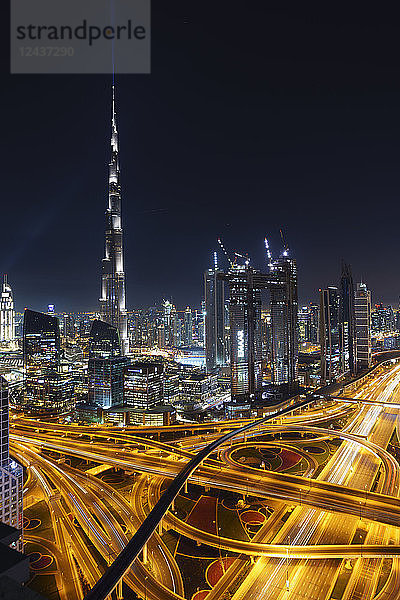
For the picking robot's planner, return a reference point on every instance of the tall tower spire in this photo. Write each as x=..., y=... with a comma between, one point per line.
x=112, y=301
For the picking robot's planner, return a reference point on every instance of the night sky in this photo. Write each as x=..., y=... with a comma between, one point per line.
x=251, y=120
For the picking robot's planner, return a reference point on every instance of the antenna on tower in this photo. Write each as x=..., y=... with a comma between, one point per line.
x=225, y=252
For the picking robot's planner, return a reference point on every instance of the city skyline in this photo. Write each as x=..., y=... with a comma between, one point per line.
x=199, y=303
x=282, y=149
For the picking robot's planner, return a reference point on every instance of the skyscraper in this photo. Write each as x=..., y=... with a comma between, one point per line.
x=329, y=335
x=245, y=284
x=11, y=475
x=106, y=365
x=215, y=319
x=363, y=326
x=112, y=301
x=144, y=385
x=46, y=389
x=284, y=321
x=347, y=321
x=7, y=313
x=188, y=327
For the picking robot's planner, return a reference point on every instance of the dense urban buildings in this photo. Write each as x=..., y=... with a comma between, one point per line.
x=284, y=321
x=363, y=326
x=347, y=321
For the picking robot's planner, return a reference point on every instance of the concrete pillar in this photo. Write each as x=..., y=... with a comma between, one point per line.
x=145, y=554
x=160, y=528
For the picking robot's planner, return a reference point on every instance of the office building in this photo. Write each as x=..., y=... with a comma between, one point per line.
x=187, y=327
x=284, y=322
x=215, y=319
x=11, y=474
x=198, y=389
x=245, y=285
x=7, y=313
x=46, y=389
x=144, y=385
x=329, y=335
x=383, y=319
x=363, y=326
x=106, y=366
x=112, y=301
x=347, y=321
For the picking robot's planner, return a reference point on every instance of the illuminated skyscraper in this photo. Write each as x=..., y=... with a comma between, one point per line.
x=187, y=327
x=347, y=321
x=11, y=475
x=284, y=321
x=106, y=365
x=215, y=319
x=245, y=284
x=112, y=301
x=144, y=385
x=7, y=313
x=331, y=356
x=363, y=326
x=46, y=390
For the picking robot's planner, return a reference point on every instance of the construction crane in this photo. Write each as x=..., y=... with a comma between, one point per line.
x=231, y=263
x=270, y=262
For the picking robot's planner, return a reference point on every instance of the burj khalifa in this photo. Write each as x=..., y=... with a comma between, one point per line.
x=112, y=301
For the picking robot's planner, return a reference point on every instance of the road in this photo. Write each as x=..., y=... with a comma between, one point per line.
x=307, y=550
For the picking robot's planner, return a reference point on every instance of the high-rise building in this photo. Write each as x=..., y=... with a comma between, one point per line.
x=383, y=319
x=329, y=335
x=245, y=286
x=347, y=321
x=363, y=326
x=106, y=366
x=314, y=323
x=46, y=389
x=112, y=301
x=309, y=324
x=11, y=474
x=187, y=327
x=215, y=319
x=7, y=313
x=246, y=327
x=284, y=321
x=144, y=385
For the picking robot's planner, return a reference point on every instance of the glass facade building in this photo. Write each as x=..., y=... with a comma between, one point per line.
x=331, y=361
x=363, y=326
x=144, y=385
x=106, y=365
x=46, y=389
x=284, y=322
x=215, y=320
x=7, y=313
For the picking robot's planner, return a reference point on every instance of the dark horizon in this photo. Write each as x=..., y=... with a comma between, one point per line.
x=249, y=123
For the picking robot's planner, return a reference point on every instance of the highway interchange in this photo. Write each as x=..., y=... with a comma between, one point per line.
x=304, y=549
